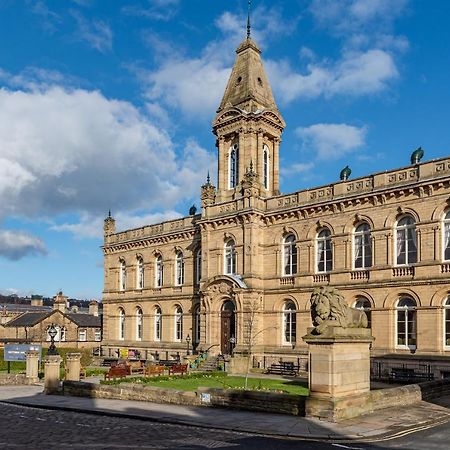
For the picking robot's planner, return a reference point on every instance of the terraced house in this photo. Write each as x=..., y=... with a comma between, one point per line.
x=239, y=275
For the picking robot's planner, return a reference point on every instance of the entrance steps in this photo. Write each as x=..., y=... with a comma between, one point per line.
x=211, y=364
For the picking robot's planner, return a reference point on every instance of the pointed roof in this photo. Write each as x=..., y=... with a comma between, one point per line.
x=248, y=87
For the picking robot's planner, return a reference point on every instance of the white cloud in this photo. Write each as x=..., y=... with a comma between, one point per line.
x=332, y=141
x=357, y=73
x=293, y=169
x=96, y=33
x=16, y=245
x=153, y=9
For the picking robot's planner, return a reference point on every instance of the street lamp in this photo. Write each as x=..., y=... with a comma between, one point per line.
x=188, y=341
x=52, y=332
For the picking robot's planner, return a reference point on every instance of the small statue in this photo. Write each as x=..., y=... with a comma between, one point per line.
x=417, y=155
x=328, y=309
x=345, y=173
x=192, y=210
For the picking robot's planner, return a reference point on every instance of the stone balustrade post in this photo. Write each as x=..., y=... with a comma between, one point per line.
x=51, y=374
x=73, y=366
x=32, y=368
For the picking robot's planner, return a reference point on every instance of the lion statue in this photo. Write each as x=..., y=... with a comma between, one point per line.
x=328, y=308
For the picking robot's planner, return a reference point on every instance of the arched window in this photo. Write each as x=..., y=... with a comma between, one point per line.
x=159, y=272
x=447, y=323
x=365, y=305
x=179, y=269
x=234, y=166
x=266, y=167
x=158, y=323
x=57, y=335
x=63, y=334
x=446, y=237
x=140, y=273
x=406, y=323
x=289, y=323
x=178, y=323
x=121, y=324
x=198, y=266
x=122, y=276
x=230, y=257
x=362, y=246
x=289, y=255
x=139, y=322
x=324, y=251
x=406, y=241
x=197, y=325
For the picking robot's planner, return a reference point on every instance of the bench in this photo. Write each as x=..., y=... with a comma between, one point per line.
x=178, y=368
x=154, y=370
x=118, y=371
x=136, y=366
x=284, y=368
x=409, y=375
x=168, y=362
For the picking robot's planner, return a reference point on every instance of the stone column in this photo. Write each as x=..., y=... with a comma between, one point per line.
x=339, y=373
x=51, y=374
x=32, y=372
x=73, y=366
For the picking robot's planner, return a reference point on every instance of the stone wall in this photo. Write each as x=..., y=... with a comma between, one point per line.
x=230, y=398
x=13, y=379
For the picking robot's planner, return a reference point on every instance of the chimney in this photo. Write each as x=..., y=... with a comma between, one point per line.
x=60, y=302
x=93, y=308
x=36, y=300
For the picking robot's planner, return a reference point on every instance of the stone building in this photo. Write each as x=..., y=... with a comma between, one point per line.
x=75, y=329
x=238, y=276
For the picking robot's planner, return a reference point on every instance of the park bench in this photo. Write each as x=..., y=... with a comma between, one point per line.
x=117, y=371
x=136, y=367
x=168, y=362
x=178, y=368
x=154, y=370
x=404, y=374
x=284, y=368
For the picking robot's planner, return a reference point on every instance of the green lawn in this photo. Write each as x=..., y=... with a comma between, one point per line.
x=192, y=383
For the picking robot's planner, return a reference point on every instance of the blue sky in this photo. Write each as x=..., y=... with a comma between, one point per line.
x=108, y=105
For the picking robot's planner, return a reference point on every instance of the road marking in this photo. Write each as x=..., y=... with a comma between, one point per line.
x=346, y=446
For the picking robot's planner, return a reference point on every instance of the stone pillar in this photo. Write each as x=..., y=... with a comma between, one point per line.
x=32, y=372
x=339, y=373
x=51, y=374
x=73, y=366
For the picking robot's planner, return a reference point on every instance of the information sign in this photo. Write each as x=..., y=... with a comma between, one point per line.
x=16, y=352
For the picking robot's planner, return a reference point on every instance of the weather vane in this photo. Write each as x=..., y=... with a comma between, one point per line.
x=248, y=19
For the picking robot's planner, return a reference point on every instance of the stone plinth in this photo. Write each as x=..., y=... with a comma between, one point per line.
x=339, y=371
x=32, y=371
x=73, y=366
x=51, y=374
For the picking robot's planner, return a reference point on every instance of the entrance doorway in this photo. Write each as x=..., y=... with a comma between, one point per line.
x=228, y=328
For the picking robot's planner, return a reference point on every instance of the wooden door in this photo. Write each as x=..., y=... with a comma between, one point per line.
x=225, y=327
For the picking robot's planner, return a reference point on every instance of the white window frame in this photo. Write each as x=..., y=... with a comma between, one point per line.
x=63, y=334
x=446, y=235
x=82, y=335
x=446, y=310
x=158, y=324
x=233, y=177
x=123, y=276
x=179, y=269
x=159, y=272
x=121, y=324
x=405, y=310
x=98, y=335
x=230, y=257
x=405, y=229
x=266, y=167
x=139, y=324
x=140, y=273
x=362, y=236
x=178, y=328
x=289, y=256
x=289, y=318
x=323, y=240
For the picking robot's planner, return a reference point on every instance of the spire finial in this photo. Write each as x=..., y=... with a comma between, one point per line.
x=248, y=19
x=208, y=178
x=109, y=213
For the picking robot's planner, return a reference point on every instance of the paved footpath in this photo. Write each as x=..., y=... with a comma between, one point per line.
x=382, y=425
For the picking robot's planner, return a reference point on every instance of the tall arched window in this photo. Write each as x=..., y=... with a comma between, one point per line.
x=289, y=255
x=365, y=305
x=140, y=273
x=266, y=167
x=122, y=276
x=362, y=247
x=406, y=241
x=447, y=323
x=121, y=324
x=446, y=237
x=234, y=166
x=406, y=323
x=158, y=323
x=63, y=334
x=324, y=251
x=159, y=271
x=57, y=337
x=197, y=326
x=178, y=323
x=198, y=266
x=139, y=323
x=289, y=323
x=179, y=269
x=230, y=257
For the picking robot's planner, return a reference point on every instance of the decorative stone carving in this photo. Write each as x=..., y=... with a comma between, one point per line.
x=329, y=309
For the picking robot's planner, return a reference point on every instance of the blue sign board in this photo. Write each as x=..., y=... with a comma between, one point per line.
x=16, y=352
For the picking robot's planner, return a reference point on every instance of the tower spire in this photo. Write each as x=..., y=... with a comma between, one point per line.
x=248, y=19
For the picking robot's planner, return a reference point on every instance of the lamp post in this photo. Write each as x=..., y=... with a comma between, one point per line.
x=188, y=341
x=52, y=332
x=232, y=344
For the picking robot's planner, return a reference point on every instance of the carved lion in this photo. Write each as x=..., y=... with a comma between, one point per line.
x=328, y=308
